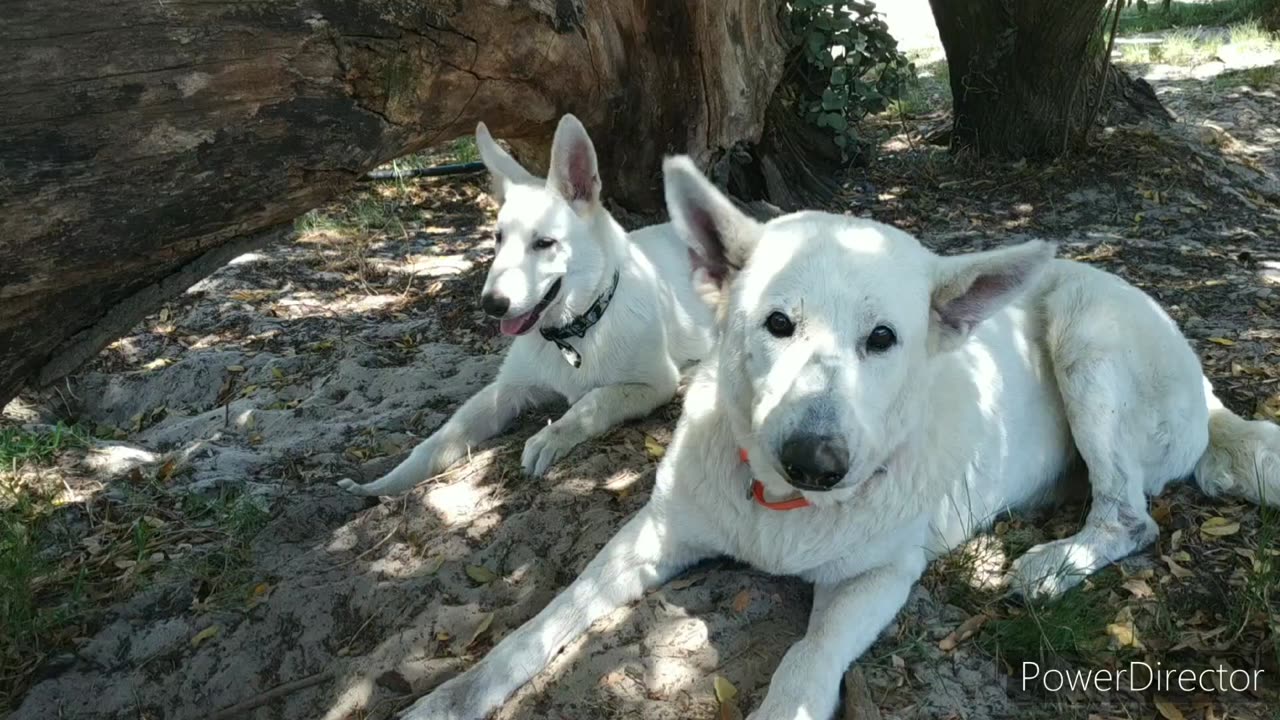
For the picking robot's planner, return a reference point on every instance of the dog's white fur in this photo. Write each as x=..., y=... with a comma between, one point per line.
x=631, y=358
x=1009, y=367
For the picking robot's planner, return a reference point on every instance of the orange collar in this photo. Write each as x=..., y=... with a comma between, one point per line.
x=757, y=493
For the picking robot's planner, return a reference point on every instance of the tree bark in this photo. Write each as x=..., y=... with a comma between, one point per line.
x=1025, y=75
x=138, y=137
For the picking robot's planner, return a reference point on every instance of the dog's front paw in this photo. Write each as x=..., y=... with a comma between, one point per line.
x=1047, y=570
x=354, y=487
x=763, y=713
x=547, y=446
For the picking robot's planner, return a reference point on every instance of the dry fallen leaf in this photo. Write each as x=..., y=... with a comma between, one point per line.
x=1167, y=710
x=612, y=679
x=653, y=447
x=1123, y=630
x=725, y=691
x=481, y=574
x=433, y=566
x=1138, y=588
x=166, y=470
x=742, y=601
x=1124, y=634
x=1221, y=341
x=962, y=633
x=1219, y=527
x=205, y=634
x=485, y=621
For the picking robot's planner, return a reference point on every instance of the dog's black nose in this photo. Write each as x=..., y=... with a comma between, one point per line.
x=815, y=462
x=494, y=305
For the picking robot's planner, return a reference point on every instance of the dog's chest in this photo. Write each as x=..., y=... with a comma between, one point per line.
x=820, y=544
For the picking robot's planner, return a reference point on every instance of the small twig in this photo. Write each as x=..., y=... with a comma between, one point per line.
x=1106, y=69
x=375, y=546
x=902, y=119
x=279, y=691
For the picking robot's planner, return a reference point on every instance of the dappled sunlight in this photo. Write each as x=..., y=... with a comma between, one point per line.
x=1269, y=272
x=113, y=459
x=464, y=501
x=247, y=259
x=980, y=563
x=352, y=699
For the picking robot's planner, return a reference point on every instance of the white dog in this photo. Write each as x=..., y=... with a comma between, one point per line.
x=871, y=404
x=614, y=331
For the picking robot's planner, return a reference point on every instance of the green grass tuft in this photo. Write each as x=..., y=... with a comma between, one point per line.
x=54, y=580
x=1190, y=14
x=19, y=447
x=1072, y=629
x=464, y=150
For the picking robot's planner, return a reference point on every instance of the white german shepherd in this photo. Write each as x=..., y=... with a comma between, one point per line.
x=870, y=405
x=614, y=331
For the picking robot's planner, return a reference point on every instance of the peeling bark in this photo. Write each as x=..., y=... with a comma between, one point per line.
x=135, y=137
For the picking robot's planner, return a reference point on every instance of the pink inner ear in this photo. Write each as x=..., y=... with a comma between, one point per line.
x=978, y=302
x=581, y=172
x=712, y=258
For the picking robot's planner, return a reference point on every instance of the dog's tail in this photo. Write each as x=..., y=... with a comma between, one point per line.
x=1243, y=457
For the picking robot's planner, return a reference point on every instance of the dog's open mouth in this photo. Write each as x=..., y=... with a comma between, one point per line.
x=521, y=324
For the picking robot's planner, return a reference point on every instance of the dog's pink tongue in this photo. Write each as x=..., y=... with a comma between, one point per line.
x=515, y=325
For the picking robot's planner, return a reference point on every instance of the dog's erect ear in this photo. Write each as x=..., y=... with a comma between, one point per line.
x=968, y=289
x=720, y=236
x=573, y=172
x=503, y=169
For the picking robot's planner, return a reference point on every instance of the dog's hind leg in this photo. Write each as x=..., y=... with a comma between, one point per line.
x=1108, y=423
x=594, y=413
x=486, y=414
x=649, y=549
x=846, y=618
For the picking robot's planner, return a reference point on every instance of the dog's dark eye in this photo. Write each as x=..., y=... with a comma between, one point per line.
x=779, y=325
x=881, y=339
x=543, y=244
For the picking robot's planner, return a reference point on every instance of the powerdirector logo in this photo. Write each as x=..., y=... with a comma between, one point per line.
x=1138, y=676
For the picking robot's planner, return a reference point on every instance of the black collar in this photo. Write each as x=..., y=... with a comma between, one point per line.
x=579, y=326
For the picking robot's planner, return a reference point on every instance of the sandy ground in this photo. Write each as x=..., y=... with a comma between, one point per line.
x=323, y=357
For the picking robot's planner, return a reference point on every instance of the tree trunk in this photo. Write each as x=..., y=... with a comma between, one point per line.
x=137, y=139
x=1025, y=75
x=1271, y=17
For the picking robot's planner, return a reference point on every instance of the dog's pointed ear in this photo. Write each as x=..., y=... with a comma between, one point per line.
x=574, y=173
x=503, y=169
x=970, y=288
x=720, y=237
